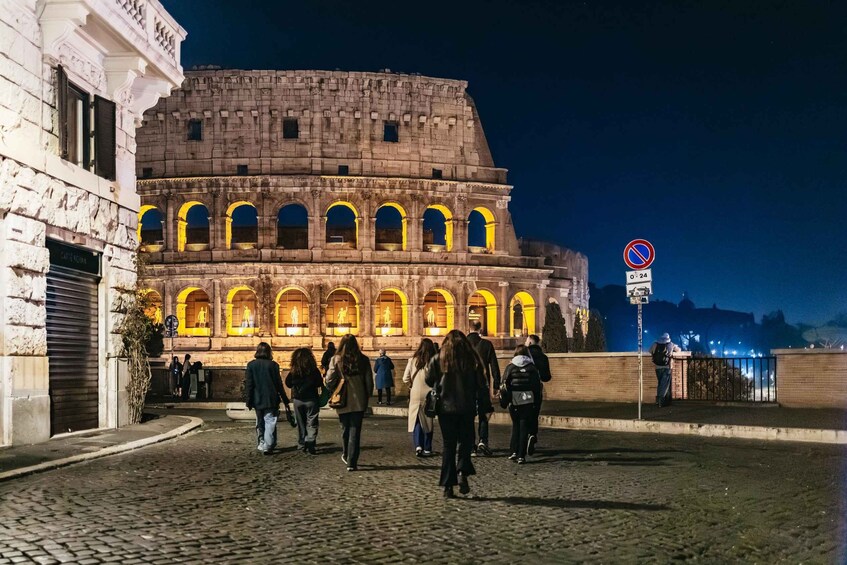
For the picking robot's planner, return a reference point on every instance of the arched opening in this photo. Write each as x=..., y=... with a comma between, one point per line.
x=481, y=230
x=391, y=313
x=193, y=312
x=292, y=227
x=342, y=226
x=482, y=307
x=193, y=227
x=242, y=226
x=437, y=228
x=153, y=309
x=241, y=311
x=522, y=315
x=292, y=312
x=151, y=232
x=439, y=312
x=390, y=228
x=342, y=312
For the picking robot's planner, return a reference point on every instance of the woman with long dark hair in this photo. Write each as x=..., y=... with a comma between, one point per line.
x=521, y=392
x=351, y=365
x=304, y=380
x=457, y=372
x=263, y=388
x=420, y=425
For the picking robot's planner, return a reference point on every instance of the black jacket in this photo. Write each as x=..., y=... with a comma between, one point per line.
x=326, y=358
x=263, y=386
x=539, y=359
x=485, y=350
x=465, y=393
x=523, y=378
x=304, y=387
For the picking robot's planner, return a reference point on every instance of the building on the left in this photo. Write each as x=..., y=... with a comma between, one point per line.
x=75, y=79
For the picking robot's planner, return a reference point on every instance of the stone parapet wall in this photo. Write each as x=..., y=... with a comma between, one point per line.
x=811, y=378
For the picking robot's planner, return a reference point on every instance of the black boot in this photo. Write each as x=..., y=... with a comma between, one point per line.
x=448, y=492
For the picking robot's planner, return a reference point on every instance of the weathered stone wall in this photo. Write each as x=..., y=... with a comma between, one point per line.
x=811, y=378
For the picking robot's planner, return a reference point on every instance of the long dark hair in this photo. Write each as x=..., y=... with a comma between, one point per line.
x=457, y=355
x=263, y=351
x=425, y=352
x=330, y=347
x=303, y=362
x=350, y=354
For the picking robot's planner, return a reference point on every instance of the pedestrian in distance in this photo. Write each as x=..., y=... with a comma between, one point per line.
x=327, y=356
x=661, y=353
x=264, y=392
x=185, y=378
x=460, y=378
x=542, y=363
x=421, y=426
x=304, y=379
x=352, y=366
x=384, y=371
x=488, y=357
x=175, y=372
x=521, y=388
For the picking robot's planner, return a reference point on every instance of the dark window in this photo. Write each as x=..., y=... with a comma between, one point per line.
x=74, y=122
x=195, y=130
x=343, y=170
x=290, y=129
x=437, y=174
x=390, y=133
x=242, y=170
x=147, y=172
x=104, y=138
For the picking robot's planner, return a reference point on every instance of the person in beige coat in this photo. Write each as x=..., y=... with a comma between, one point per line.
x=420, y=425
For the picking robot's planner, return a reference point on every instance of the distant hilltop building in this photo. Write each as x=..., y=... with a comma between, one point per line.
x=298, y=206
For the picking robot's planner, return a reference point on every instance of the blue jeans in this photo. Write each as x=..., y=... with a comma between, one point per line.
x=266, y=427
x=422, y=439
x=663, y=387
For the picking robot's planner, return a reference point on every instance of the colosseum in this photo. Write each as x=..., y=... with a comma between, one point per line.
x=298, y=206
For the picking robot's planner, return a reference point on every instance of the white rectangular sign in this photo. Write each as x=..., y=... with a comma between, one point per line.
x=644, y=275
x=639, y=289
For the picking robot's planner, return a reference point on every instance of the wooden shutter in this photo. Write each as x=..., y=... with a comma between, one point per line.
x=62, y=107
x=104, y=138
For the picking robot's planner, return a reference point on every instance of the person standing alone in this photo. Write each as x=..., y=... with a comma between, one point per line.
x=661, y=352
x=384, y=371
x=264, y=392
x=491, y=370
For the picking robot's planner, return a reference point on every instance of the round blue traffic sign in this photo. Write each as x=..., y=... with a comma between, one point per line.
x=639, y=254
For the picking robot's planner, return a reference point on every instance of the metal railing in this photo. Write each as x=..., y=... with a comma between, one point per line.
x=727, y=379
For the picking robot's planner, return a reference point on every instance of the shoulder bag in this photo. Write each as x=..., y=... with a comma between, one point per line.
x=338, y=398
x=432, y=404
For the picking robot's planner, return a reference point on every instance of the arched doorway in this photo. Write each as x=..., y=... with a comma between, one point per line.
x=438, y=312
x=193, y=227
x=437, y=228
x=522, y=315
x=342, y=226
x=481, y=230
x=292, y=312
x=242, y=226
x=482, y=308
x=390, y=228
x=193, y=312
x=391, y=313
x=292, y=227
x=342, y=312
x=241, y=311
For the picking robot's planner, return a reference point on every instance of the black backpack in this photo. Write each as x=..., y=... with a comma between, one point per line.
x=662, y=355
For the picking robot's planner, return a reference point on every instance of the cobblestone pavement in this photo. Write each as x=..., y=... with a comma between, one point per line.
x=595, y=497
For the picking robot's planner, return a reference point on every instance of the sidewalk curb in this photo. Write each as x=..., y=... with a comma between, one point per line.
x=807, y=435
x=192, y=424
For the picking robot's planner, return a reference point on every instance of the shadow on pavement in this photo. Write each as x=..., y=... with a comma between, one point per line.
x=373, y=468
x=559, y=503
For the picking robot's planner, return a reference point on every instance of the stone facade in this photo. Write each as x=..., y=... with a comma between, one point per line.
x=126, y=52
x=372, y=145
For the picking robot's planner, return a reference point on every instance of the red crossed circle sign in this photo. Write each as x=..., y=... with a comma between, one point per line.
x=639, y=254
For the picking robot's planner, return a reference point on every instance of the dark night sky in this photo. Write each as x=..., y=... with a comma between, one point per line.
x=714, y=129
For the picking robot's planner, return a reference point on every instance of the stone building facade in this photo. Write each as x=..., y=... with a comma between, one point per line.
x=75, y=77
x=297, y=206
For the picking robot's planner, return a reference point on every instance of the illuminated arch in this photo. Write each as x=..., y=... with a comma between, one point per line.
x=439, y=307
x=448, y=224
x=522, y=314
x=386, y=238
x=488, y=224
x=248, y=236
x=194, y=312
x=291, y=314
x=188, y=235
x=340, y=322
x=482, y=306
x=292, y=233
x=153, y=234
x=154, y=305
x=341, y=235
x=391, y=313
x=241, y=305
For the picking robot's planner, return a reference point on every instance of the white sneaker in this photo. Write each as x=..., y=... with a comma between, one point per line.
x=261, y=447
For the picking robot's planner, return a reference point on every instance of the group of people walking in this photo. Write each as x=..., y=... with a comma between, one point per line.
x=458, y=381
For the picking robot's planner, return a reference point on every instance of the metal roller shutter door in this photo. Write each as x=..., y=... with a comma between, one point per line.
x=72, y=348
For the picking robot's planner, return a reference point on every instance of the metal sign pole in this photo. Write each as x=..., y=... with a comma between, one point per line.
x=640, y=363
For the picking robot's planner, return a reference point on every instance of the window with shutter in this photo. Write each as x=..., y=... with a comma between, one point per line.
x=104, y=138
x=74, y=121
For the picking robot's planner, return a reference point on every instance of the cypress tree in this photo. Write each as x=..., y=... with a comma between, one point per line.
x=578, y=336
x=595, y=341
x=554, y=332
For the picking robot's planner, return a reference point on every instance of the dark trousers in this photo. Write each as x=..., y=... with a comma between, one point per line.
x=387, y=395
x=482, y=429
x=522, y=426
x=663, y=386
x=422, y=439
x=351, y=434
x=457, y=432
x=534, y=421
x=306, y=412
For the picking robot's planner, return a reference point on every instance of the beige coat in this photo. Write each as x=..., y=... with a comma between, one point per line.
x=417, y=396
x=359, y=384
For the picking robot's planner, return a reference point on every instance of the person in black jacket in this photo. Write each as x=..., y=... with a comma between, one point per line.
x=457, y=372
x=263, y=388
x=521, y=386
x=485, y=350
x=175, y=371
x=327, y=356
x=539, y=359
x=304, y=379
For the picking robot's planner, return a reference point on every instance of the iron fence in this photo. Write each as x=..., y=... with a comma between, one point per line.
x=727, y=379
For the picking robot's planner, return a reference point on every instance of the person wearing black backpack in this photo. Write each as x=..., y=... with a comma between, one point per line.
x=520, y=392
x=661, y=352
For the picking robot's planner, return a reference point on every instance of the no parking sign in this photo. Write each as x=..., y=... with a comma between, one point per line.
x=639, y=254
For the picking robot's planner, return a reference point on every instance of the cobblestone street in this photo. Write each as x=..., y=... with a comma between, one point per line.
x=585, y=497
